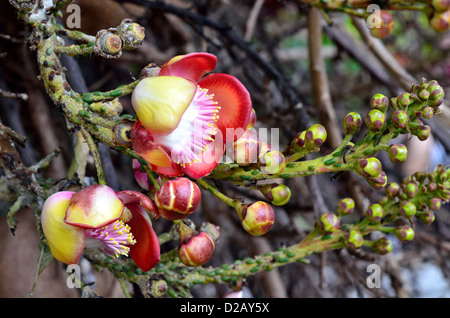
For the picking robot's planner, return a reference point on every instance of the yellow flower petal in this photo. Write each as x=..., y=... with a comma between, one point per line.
x=66, y=241
x=94, y=206
x=161, y=101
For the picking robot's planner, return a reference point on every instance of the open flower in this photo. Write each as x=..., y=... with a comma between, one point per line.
x=98, y=217
x=185, y=118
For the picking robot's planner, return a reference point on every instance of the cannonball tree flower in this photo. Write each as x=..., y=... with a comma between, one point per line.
x=186, y=117
x=97, y=217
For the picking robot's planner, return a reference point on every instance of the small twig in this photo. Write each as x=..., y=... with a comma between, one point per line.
x=95, y=154
x=8, y=94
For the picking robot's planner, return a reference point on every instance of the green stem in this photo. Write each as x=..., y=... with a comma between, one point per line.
x=95, y=154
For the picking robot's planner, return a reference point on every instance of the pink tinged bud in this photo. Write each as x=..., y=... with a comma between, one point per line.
x=177, y=199
x=140, y=176
x=277, y=194
x=352, y=123
x=378, y=182
x=407, y=209
x=380, y=102
x=328, y=223
x=440, y=5
x=66, y=241
x=427, y=217
x=374, y=213
x=345, y=207
x=440, y=21
x=353, y=240
x=384, y=24
x=400, y=119
x=392, y=189
x=397, y=153
x=94, y=206
x=246, y=148
x=435, y=203
x=315, y=136
x=369, y=167
x=427, y=112
x=404, y=233
x=257, y=218
x=374, y=120
x=423, y=132
x=272, y=162
x=382, y=246
x=196, y=250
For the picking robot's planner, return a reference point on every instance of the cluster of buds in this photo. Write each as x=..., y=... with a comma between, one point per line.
x=109, y=43
x=439, y=15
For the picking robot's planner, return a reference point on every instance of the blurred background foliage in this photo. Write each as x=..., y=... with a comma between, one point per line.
x=268, y=50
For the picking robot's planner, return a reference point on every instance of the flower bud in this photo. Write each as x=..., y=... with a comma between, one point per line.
x=379, y=181
x=132, y=34
x=411, y=189
x=272, y=162
x=382, y=246
x=257, y=218
x=108, y=44
x=435, y=203
x=392, y=189
x=404, y=233
x=380, y=102
x=352, y=123
x=427, y=112
x=383, y=24
x=315, y=136
x=252, y=120
x=246, y=148
x=197, y=250
x=440, y=5
x=264, y=148
x=299, y=139
x=407, y=209
x=397, y=153
x=436, y=94
x=440, y=21
x=328, y=223
x=369, y=167
x=422, y=132
x=374, y=213
x=277, y=194
x=345, y=207
x=400, y=118
x=353, y=240
x=177, y=199
x=427, y=217
x=424, y=94
x=374, y=120
x=151, y=70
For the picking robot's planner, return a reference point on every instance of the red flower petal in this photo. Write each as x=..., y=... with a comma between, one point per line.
x=136, y=197
x=146, y=252
x=192, y=66
x=234, y=101
x=209, y=160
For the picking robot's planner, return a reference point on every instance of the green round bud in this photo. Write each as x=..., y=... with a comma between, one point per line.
x=257, y=218
x=440, y=5
x=435, y=203
x=380, y=102
x=422, y=132
x=352, y=123
x=397, y=153
x=404, y=233
x=407, y=209
x=392, y=189
x=277, y=194
x=272, y=162
x=369, y=167
x=424, y=94
x=440, y=21
x=374, y=120
x=382, y=246
x=400, y=118
x=353, y=240
x=427, y=217
x=328, y=223
x=427, y=112
x=374, y=213
x=345, y=206
x=410, y=189
x=384, y=24
x=315, y=136
x=436, y=94
x=403, y=100
x=379, y=181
